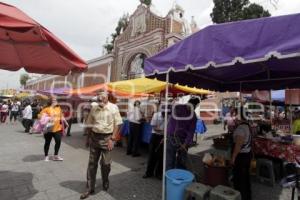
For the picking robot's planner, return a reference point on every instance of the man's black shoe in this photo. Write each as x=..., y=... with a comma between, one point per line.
x=105, y=185
x=136, y=155
x=147, y=176
x=87, y=194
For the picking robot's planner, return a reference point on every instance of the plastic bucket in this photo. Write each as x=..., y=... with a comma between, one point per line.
x=176, y=182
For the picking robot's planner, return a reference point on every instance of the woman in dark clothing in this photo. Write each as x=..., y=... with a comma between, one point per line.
x=241, y=158
x=35, y=109
x=69, y=117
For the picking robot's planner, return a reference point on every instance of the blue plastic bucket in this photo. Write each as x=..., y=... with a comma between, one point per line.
x=176, y=182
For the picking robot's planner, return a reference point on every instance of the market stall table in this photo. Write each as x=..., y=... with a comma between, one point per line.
x=283, y=151
x=147, y=130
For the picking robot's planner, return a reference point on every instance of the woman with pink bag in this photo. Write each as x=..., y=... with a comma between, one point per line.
x=39, y=126
x=54, y=128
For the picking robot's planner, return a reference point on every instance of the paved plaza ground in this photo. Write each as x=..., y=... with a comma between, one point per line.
x=24, y=175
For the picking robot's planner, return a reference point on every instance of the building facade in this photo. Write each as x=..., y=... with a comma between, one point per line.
x=99, y=71
x=146, y=34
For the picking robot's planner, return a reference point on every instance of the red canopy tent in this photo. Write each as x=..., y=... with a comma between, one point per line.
x=24, y=43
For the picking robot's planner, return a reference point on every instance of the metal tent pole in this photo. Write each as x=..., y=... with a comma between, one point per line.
x=163, y=197
x=291, y=118
x=240, y=99
x=271, y=107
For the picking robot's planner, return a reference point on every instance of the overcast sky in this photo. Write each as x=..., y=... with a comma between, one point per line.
x=84, y=25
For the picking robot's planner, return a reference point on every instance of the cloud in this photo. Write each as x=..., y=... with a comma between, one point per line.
x=84, y=25
x=10, y=79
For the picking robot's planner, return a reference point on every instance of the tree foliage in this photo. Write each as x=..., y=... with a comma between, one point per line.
x=234, y=10
x=146, y=2
x=23, y=79
x=255, y=11
x=122, y=25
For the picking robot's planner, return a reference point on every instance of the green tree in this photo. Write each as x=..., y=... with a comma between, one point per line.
x=255, y=11
x=146, y=2
x=234, y=10
x=23, y=79
x=122, y=25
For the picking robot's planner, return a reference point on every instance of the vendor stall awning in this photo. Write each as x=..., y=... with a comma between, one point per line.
x=292, y=97
x=191, y=90
x=24, y=43
x=92, y=90
x=139, y=85
x=87, y=90
x=55, y=91
x=252, y=54
x=146, y=85
x=277, y=97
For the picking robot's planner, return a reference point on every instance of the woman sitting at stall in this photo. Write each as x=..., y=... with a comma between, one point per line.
x=241, y=157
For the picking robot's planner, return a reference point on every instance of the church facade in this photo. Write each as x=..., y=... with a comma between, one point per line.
x=146, y=34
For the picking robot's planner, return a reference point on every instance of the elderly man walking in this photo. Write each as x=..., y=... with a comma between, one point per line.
x=103, y=125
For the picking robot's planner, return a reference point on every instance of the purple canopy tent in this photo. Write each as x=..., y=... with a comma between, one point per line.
x=253, y=54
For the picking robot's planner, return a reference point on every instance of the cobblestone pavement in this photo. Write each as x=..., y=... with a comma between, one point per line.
x=24, y=175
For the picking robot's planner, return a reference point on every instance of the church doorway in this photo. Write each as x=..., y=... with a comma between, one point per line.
x=136, y=66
